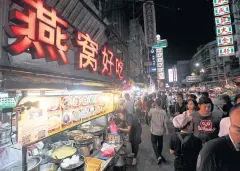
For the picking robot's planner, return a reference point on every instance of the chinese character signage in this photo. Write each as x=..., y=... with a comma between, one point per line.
x=221, y=10
x=224, y=29
x=225, y=40
x=149, y=23
x=223, y=20
x=220, y=2
x=43, y=34
x=226, y=51
x=160, y=63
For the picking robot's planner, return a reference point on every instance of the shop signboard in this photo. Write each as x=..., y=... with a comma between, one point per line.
x=224, y=30
x=220, y=2
x=149, y=23
x=193, y=79
x=223, y=20
x=225, y=40
x=226, y=51
x=221, y=10
x=38, y=30
x=46, y=116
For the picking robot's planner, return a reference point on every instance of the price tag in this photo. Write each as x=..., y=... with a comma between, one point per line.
x=113, y=138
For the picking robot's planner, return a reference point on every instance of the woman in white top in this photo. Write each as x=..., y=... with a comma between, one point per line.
x=192, y=107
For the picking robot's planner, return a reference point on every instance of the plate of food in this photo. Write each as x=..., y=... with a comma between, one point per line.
x=66, y=119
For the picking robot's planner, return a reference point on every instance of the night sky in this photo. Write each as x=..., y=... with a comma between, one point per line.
x=186, y=25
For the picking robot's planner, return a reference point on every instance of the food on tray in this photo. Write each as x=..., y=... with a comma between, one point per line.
x=83, y=137
x=92, y=128
x=54, y=122
x=68, y=162
x=74, y=133
x=63, y=152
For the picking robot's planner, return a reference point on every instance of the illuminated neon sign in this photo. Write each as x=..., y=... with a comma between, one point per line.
x=41, y=32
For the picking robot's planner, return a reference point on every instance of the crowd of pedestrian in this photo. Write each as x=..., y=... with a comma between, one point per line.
x=200, y=141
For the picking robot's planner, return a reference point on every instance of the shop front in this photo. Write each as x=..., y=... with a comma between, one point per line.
x=58, y=88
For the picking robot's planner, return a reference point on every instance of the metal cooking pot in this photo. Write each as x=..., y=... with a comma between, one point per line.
x=5, y=136
x=33, y=165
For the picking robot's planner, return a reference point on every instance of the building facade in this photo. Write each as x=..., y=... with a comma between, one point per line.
x=183, y=70
x=214, y=70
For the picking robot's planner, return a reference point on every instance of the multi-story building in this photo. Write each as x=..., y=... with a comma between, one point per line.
x=213, y=69
x=183, y=70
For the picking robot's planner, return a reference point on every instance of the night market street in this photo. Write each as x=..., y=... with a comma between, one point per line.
x=146, y=156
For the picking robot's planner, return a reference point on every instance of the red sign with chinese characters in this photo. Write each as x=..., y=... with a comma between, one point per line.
x=41, y=32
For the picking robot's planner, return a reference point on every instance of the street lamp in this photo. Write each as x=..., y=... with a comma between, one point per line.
x=197, y=64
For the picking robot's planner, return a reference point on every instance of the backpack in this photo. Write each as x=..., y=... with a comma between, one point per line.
x=183, y=141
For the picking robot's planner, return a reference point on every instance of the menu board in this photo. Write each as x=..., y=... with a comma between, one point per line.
x=44, y=116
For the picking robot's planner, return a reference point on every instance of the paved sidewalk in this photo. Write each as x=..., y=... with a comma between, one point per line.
x=146, y=157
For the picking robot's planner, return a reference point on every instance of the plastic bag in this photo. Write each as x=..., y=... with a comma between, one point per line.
x=113, y=127
x=108, y=152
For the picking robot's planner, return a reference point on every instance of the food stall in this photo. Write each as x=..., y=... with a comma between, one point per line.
x=56, y=131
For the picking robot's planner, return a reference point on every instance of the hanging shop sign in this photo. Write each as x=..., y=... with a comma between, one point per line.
x=43, y=34
x=160, y=64
x=221, y=10
x=45, y=116
x=224, y=29
x=220, y=2
x=225, y=40
x=149, y=23
x=226, y=51
x=223, y=20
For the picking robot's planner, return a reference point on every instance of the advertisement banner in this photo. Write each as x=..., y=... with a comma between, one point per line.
x=226, y=51
x=224, y=30
x=225, y=40
x=223, y=20
x=45, y=116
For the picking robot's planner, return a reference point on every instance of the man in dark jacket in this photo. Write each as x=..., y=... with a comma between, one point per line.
x=223, y=154
x=205, y=126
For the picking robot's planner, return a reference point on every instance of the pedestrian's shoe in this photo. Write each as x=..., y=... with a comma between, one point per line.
x=159, y=160
x=163, y=159
x=134, y=161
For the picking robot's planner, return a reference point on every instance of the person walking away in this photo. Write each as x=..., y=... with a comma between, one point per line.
x=170, y=103
x=225, y=122
x=138, y=108
x=223, y=154
x=205, y=126
x=164, y=101
x=128, y=105
x=144, y=108
x=184, y=145
x=134, y=129
x=227, y=106
x=149, y=106
x=158, y=128
x=192, y=107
